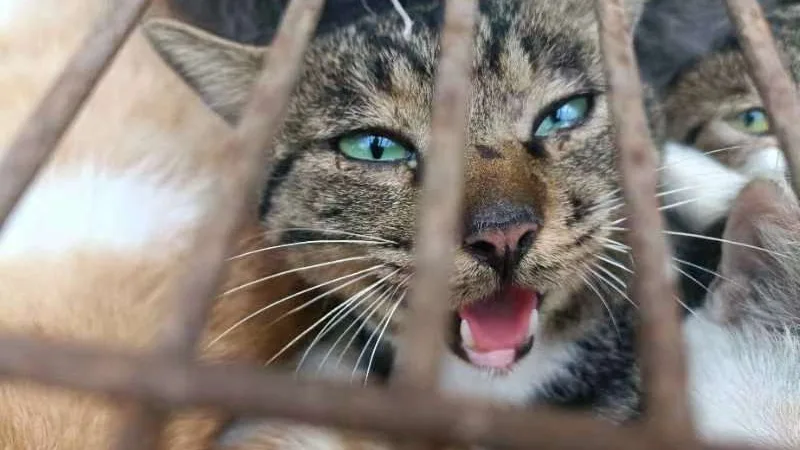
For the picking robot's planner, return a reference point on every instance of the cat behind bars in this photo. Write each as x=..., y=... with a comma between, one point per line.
x=539, y=311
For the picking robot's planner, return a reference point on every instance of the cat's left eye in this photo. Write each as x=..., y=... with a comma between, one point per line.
x=374, y=147
x=752, y=121
x=563, y=115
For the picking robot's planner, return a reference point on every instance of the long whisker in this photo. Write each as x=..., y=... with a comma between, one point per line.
x=380, y=336
x=296, y=244
x=375, y=305
x=327, y=316
x=703, y=269
x=620, y=283
x=603, y=301
x=329, y=231
x=711, y=152
x=614, y=287
x=344, y=309
x=366, y=272
x=615, y=264
x=663, y=208
x=287, y=272
x=684, y=305
x=338, y=318
x=710, y=238
x=369, y=312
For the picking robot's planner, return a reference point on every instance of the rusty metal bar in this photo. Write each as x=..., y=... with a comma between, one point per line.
x=440, y=203
x=660, y=340
x=774, y=84
x=246, y=160
x=252, y=391
x=42, y=131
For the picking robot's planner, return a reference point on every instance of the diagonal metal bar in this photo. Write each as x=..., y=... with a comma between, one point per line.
x=660, y=339
x=774, y=84
x=440, y=204
x=41, y=132
x=255, y=133
x=252, y=391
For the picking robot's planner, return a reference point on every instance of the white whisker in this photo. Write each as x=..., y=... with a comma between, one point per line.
x=297, y=269
x=703, y=269
x=366, y=272
x=620, y=283
x=613, y=286
x=344, y=308
x=329, y=231
x=711, y=152
x=364, y=321
x=684, y=305
x=709, y=238
x=380, y=336
x=296, y=244
x=327, y=316
x=615, y=264
x=605, y=304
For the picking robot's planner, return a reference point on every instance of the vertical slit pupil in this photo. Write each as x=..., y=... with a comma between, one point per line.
x=375, y=147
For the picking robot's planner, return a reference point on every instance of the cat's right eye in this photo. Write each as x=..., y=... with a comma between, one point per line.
x=752, y=121
x=374, y=147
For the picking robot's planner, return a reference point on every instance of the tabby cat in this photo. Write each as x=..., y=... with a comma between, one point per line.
x=539, y=311
x=713, y=104
x=715, y=116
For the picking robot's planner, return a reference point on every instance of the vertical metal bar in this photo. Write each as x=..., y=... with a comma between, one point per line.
x=440, y=204
x=42, y=131
x=775, y=86
x=660, y=340
x=245, y=163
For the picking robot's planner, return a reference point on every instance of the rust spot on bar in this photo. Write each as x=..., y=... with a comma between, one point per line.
x=42, y=131
x=774, y=84
x=260, y=122
x=660, y=339
x=440, y=204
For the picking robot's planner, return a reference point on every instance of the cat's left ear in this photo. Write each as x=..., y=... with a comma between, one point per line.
x=222, y=72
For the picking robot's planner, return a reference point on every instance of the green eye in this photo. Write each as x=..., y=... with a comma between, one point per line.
x=753, y=121
x=374, y=147
x=564, y=115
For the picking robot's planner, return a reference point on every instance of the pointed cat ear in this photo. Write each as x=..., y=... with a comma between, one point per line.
x=220, y=71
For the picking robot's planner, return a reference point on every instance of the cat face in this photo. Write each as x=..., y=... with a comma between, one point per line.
x=714, y=105
x=540, y=180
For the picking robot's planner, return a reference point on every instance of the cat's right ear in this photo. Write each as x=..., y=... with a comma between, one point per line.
x=222, y=72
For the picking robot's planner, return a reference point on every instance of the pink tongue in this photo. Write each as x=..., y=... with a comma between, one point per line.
x=501, y=321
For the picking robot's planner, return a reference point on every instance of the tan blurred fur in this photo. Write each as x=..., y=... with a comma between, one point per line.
x=141, y=124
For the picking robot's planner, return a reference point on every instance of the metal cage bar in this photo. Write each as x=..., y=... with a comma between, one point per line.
x=775, y=86
x=169, y=379
x=251, y=143
x=40, y=133
x=660, y=340
x=440, y=204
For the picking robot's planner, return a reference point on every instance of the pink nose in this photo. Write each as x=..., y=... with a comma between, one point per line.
x=495, y=245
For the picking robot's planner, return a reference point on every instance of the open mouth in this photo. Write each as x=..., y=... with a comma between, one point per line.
x=496, y=331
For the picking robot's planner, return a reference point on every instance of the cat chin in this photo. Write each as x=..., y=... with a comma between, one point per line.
x=517, y=385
